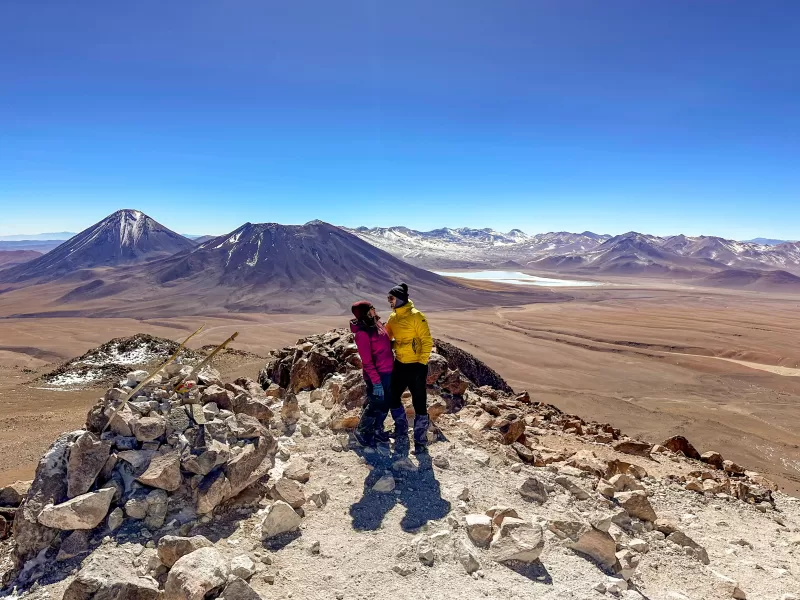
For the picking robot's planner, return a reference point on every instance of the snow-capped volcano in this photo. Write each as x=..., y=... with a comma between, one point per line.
x=124, y=237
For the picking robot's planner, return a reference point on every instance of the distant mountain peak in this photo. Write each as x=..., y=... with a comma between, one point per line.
x=126, y=236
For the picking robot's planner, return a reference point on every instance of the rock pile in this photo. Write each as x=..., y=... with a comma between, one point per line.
x=162, y=457
x=114, y=359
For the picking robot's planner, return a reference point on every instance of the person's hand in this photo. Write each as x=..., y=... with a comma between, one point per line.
x=377, y=390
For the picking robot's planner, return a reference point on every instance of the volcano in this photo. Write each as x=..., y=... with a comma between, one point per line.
x=268, y=267
x=123, y=238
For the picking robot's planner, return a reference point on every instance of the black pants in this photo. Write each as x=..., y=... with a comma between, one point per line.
x=411, y=376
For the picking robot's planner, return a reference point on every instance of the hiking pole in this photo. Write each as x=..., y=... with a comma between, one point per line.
x=205, y=361
x=149, y=378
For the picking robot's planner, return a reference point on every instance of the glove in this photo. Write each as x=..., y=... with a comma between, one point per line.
x=377, y=390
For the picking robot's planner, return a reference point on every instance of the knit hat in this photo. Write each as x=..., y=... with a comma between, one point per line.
x=400, y=292
x=361, y=309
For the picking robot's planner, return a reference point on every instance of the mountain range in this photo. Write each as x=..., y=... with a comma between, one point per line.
x=587, y=252
x=129, y=264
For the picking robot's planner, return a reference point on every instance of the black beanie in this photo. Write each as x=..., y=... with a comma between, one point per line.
x=400, y=292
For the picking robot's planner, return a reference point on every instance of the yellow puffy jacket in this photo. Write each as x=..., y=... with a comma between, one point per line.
x=412, y=337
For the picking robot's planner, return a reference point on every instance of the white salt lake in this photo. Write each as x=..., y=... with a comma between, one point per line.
x=516, y=278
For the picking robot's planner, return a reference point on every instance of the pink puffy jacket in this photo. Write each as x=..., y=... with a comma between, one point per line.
x=375, y=349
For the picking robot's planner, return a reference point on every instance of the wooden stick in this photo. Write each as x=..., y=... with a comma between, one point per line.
x=149, y=378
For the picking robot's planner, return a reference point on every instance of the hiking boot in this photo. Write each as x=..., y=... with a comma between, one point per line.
x=400, y=423
x=420, y=448
x=365, y=430
x=421, y=424
x=381, y=436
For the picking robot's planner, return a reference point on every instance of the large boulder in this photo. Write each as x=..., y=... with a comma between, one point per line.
x=13, y=494
x=213, y=489
x=86, y=511
x=251, y=464
x=680, y=445
x=49, y=487
x=87, y=456
x=437, y=366
x=173, y=547
x=310, y=370
x=105, y=577
x=196, y=574
x=634, y=447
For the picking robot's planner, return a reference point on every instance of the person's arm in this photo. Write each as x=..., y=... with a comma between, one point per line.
x=365, y=352
x=425, y=338
x=388, y=328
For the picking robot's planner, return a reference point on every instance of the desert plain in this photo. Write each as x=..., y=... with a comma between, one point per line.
x=653, y=358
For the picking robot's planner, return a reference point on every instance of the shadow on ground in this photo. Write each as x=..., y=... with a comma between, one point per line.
x=418, y=491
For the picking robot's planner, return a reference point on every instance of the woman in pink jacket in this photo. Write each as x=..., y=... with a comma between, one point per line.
x=375, y=349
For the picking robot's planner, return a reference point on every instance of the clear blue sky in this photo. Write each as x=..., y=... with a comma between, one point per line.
x=663, y=117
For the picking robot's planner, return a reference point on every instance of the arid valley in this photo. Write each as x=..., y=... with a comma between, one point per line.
x=653, y=359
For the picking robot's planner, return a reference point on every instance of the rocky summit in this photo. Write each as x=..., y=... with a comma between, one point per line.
x=194, y=488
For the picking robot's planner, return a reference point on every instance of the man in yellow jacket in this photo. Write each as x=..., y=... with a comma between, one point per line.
x=412, y=343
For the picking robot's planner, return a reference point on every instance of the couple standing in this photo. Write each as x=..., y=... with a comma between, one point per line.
x=389, y=374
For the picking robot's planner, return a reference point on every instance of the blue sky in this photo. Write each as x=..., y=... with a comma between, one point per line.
x=663, y=117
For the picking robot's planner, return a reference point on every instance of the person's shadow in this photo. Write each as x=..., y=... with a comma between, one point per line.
x=418, y=491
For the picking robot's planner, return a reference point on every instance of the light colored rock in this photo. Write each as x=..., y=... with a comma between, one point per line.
x=297, y=469
x=196, y=574
x=572, y=487
x=481, y=458
x=164, y=472
x=534, y=490
x=623, y=482
x=173, y=547
x=279, y=518
x=597, y=544
x=108, y=578
x=479, y=529
x=615, y=585
x=605, y=489
x=498, y=513
x=636, y=505
x=728, y=586
x=638, y=545
x=213, y=489
x=148, y=429
x=115, y=519
x=713, y=458
x=466, y=557
x=425, y=552
x=12, y=494
x=320, y=498
x=289, y=491
x=86, y=511
x=87, y=456
x=385, y=484
x=243, y=566
x=517, y=540
x=251, y=464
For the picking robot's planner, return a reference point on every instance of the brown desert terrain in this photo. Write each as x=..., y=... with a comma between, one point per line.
x=720, y=367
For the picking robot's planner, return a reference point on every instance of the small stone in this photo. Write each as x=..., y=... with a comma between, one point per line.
x=315, y=547
x=243, y=566
x=572, y=487
x=320, y=498
x=289, y=491
x=605, y=489
x=297, y=469
x=425, y=552
x=172, y=547
x=115, y=519
x=517, y=540
x=280, y=518
x=479, y=529
x=466, y=557
x=638, y=545
x=463, y=494
x=534, y=490
x=238, y=589
x=481, y=458
x=385, y=484
x=441, y=461
x=636, y=505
